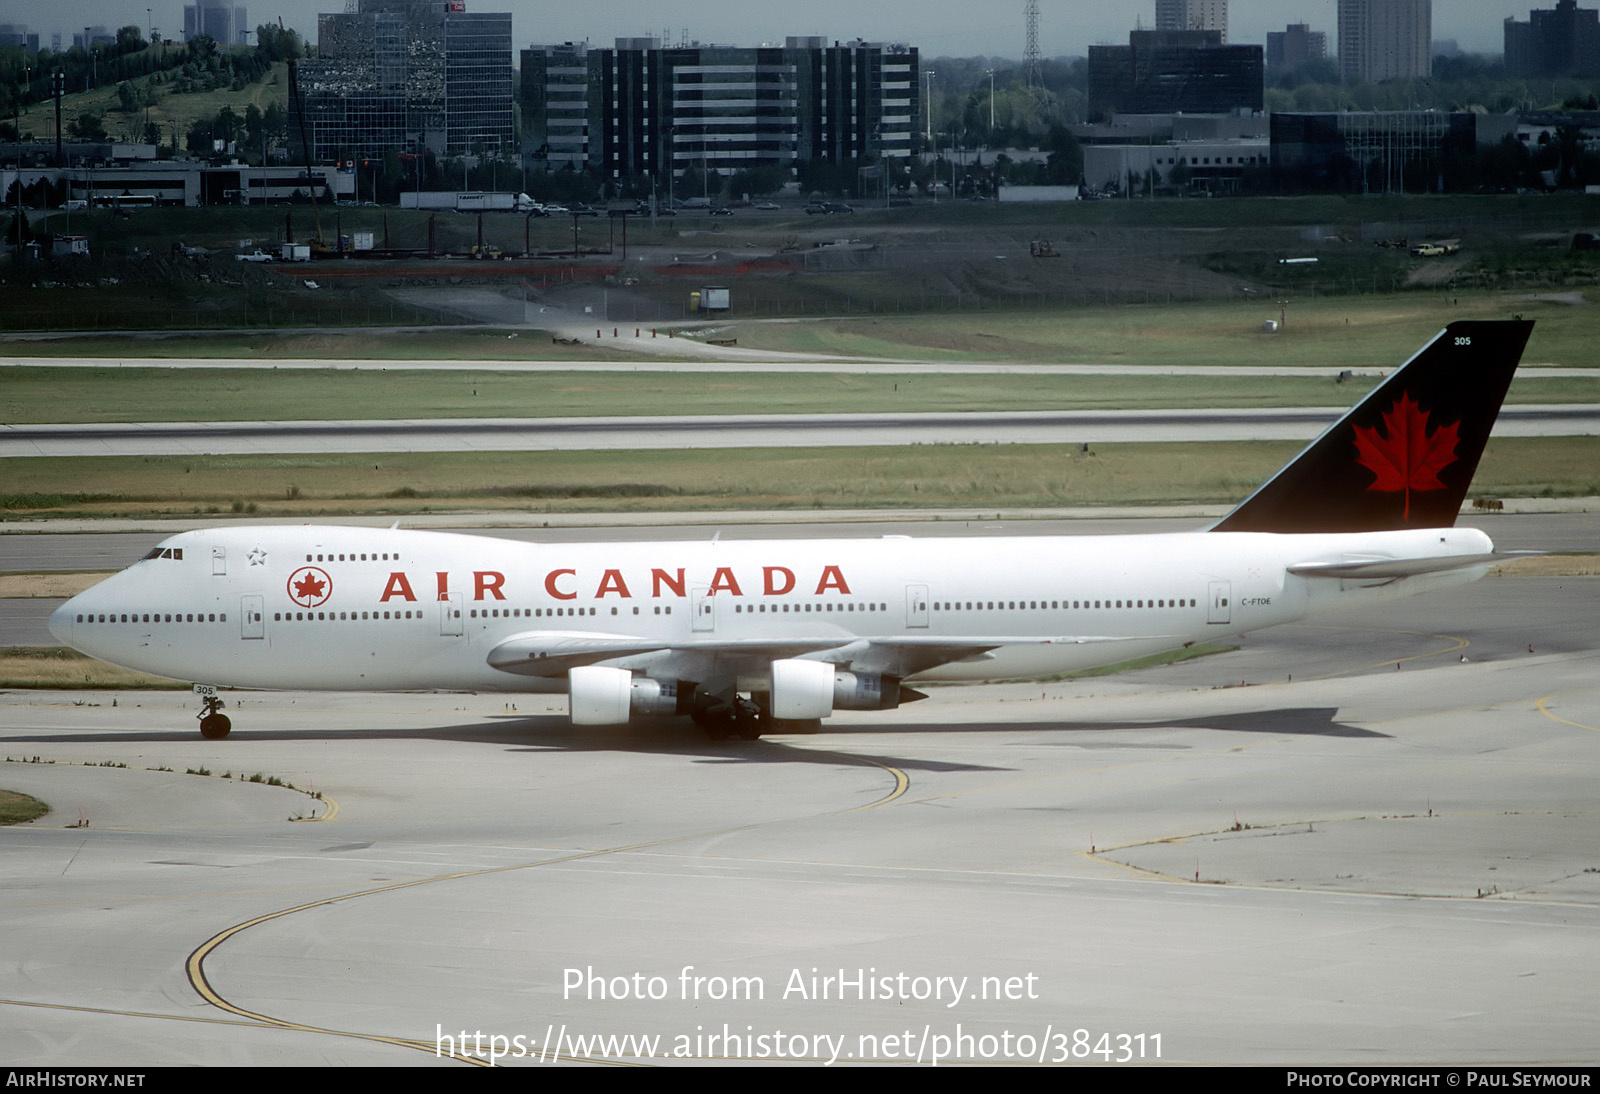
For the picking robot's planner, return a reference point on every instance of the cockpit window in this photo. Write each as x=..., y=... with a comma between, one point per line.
x=167, y=552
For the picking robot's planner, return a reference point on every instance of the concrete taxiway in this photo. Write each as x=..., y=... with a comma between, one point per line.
x=1370, y=840
x=724, y=431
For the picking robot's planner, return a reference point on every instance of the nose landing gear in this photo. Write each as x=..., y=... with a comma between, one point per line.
x=213, y=726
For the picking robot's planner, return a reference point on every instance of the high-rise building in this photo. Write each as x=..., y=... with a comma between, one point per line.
x=1563, y=42
x=93, y=36
x=1173, y=71
x=1385, y=39
x=225, y=24
x=644, y=108
x=17, y=34
x=1193, y=15
x=1294, y=46
x=399, y=75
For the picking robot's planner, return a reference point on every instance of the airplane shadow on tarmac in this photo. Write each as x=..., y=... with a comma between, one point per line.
x=676, y=736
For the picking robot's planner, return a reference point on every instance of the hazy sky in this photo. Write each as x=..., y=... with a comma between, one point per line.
x=937, y=28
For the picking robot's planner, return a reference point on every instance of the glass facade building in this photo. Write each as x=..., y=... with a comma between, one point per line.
x=407, y=75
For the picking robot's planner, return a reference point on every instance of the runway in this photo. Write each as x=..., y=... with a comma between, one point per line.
x=1369, y=841
x=724, y=431
x=751, y=361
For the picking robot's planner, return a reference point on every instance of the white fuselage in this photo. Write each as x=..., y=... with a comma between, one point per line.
x=384, y=610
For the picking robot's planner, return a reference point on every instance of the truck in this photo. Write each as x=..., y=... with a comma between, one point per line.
x=467, y=201
x=1436, y=248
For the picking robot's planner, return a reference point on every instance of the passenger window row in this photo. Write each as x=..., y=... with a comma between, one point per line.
x=540, y=613
x=351, y=556
x=825, y=606
x=334, y=617
x=153, y=617
x=1060, y=605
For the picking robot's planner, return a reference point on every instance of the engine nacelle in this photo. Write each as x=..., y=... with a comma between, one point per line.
x=801, y=689
x=659, y=696
x=599, y=696
x=865, y=691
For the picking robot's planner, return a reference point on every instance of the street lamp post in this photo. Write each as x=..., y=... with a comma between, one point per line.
x=991, y=107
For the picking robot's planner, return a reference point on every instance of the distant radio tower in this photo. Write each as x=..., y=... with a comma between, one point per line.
x=1030, y=55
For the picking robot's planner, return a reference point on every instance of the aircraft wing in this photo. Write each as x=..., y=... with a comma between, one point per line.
x=552, y=653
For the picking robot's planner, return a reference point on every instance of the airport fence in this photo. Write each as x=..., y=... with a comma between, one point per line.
x=217, y=318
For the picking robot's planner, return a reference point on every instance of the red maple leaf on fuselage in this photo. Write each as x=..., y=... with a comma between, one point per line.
x=1405, y=456
x=308, y=588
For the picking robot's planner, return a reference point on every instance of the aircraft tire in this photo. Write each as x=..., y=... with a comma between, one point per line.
x=215, y=727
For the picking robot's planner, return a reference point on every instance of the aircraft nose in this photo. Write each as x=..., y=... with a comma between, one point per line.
x=61, y=622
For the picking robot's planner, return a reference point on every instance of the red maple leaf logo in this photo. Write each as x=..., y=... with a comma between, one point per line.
x=310, y=586
x=1405, y=456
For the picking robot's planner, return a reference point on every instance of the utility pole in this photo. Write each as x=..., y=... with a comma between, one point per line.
x=58, y=86
x=991, y=107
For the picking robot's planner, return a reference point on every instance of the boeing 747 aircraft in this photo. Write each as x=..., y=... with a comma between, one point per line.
x=753, y=637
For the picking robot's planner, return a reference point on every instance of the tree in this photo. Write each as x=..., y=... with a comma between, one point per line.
x=130, y=40
x=198, y=139
x=17, y=232
x=227, y=126
x=276, y=121
x=758, y=180
x=1065, y=161
x=89, y=126
x=275, y=44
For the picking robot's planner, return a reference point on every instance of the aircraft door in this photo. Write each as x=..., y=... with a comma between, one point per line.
x=704, y=607
x=1221, y=595
x=450, y=615
x=252, y=618
x=916, y=605
x=219, y=561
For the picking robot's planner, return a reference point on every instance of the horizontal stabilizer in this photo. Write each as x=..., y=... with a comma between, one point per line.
x=1401, y=567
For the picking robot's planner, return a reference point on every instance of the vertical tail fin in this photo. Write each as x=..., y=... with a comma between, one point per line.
x=1405, y=455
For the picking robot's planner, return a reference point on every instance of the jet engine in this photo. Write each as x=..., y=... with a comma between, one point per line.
x=815, y=689
x=602, y=696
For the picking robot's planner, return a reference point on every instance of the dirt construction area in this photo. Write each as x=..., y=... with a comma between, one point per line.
x=509, y=269
x=971, y=258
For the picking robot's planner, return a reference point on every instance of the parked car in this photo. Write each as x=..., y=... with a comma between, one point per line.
x=722, y=212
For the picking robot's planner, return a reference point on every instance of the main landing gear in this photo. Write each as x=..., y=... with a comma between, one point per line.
x=746, y=719
x=213, y=726
x=722, y=719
